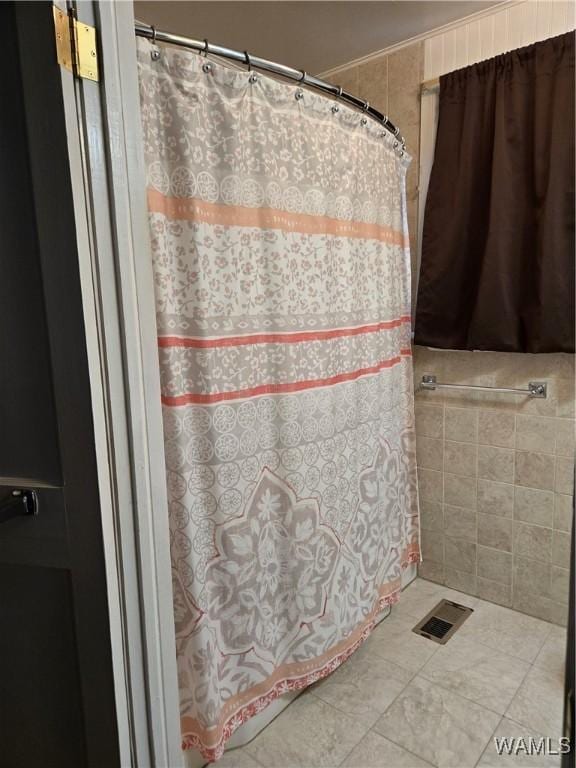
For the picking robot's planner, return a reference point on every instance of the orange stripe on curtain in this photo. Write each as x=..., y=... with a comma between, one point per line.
x=193, y=209
x=278, y=338
x=294, y=386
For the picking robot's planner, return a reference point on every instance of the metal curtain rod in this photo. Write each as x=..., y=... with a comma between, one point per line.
x=535, y=388
x=255, y=62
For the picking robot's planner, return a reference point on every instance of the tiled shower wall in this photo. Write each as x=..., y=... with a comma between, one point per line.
x=496, y=478
x=496, y=472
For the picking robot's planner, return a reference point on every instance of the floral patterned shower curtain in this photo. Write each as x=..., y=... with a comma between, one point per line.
x=281, y=263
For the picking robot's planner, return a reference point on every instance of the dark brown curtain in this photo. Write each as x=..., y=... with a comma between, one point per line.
x=498, y=243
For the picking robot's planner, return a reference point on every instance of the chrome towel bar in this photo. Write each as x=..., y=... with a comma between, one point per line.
x=535, y=388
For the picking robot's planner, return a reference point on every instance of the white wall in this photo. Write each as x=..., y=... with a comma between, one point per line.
x=494, y=33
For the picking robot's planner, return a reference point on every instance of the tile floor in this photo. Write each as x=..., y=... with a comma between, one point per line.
x=406, y=702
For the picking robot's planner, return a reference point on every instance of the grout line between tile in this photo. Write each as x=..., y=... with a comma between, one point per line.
x=371, y=728
x=490, y=740
x=340, y=712
x=427, y=762
x=511, y=655
x=473, y=701
x=397, y=743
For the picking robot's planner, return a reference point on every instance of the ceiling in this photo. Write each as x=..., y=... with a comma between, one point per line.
x=315, y=36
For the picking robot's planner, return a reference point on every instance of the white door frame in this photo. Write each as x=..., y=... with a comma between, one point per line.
x=109, y=188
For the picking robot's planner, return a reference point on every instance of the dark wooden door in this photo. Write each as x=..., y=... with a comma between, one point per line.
x=57, y=706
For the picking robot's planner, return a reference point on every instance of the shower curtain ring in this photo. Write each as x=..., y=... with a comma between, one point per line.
x=335, y=107
x=154, y=53
x=302, y=76
x=253, y=76
x=207, y=66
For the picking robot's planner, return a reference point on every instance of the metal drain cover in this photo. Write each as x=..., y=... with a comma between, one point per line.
x=442, y=621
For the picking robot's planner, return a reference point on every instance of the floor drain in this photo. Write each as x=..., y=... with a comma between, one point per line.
x=442, y=621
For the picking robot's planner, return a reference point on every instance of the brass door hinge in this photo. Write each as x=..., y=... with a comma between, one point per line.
x=75, y=45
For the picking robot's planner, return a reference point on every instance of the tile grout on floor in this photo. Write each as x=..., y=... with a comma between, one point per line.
x=283, y=740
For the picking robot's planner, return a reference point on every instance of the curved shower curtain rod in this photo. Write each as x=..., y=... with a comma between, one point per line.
x=255, y=62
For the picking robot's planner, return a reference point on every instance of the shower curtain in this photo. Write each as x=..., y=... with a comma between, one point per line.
x=281, y=263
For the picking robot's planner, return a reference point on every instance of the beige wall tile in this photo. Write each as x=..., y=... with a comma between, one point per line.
x=405, y=69
x=516, y=369
x=494, y=564
x=429, y=420
x=460, y=458
x=535, y=406
x=461, y=424
x=541, y=607
x=463, y=398
x=430, y=397
x=429, y=452
x=349, y=80
x=564, y=476
x=430, y=485
x=532, y=541
x=557, y=364
x=459, y=491
x=494, y=592
x=565, y=437
x=535, y=433
x=460, y=523
x=431, y=571
x=460, y=580
x=534, y=470
x=560, y=584
x=531, y=576
x=565, y=398
x=495, y=532
x=373, y=83
x=563, y=512
x=496, y=428
x=534, y=506
x=431, y=516
x=495, y=464
x=469, y=368
x=495, y=498
x=460, y=555
x=432, y=546
x=404, y=77
x=561, y=549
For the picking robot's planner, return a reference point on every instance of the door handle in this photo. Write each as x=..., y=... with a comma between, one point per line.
x=21, y=502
